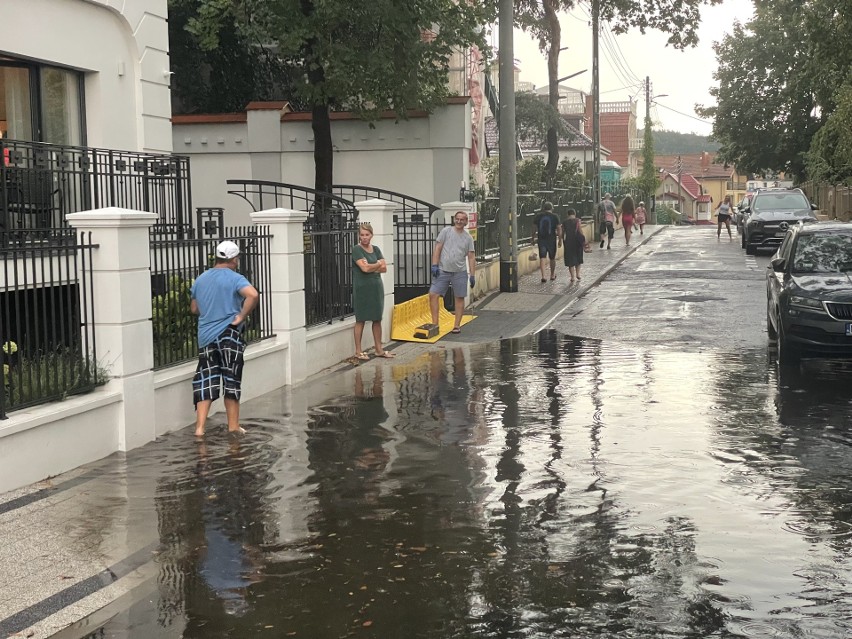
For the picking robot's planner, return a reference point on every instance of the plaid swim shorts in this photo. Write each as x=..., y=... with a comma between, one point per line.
x=220, y=363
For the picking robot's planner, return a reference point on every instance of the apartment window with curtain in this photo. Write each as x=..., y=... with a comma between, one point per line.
x=40, y=103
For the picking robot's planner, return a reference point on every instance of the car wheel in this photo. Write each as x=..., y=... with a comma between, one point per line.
x=770, y=329
x=788, y=354
x=751, y=249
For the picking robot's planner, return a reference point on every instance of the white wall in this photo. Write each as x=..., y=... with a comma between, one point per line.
x=423, y=157
x=123, y=49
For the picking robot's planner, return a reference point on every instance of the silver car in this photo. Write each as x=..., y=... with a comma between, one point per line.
x=809, y=292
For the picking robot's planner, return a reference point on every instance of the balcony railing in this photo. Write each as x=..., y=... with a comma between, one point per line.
x=41, y=183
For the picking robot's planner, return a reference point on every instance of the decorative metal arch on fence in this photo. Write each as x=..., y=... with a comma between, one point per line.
x=330, y=232
x=416, y=225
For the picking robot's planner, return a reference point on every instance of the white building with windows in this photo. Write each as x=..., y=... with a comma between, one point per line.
x=86, y=73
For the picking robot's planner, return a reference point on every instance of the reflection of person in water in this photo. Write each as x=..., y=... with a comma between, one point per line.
x=369, y=416
x=228, y=565
x=449, y=396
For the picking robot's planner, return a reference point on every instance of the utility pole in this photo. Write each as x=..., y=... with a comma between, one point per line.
x=680, y=185
x=596, y=102
x=647, y=99
x=508, y=220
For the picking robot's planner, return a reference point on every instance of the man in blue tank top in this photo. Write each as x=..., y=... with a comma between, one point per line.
x=223, y=299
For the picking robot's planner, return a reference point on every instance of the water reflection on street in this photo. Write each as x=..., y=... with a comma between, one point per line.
x=543, y=487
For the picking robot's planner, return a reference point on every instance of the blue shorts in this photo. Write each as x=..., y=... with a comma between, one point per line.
x=220, y=364
x=547, y=248
x=444, y=279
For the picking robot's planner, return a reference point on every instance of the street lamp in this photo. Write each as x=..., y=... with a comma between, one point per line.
x=573, y=75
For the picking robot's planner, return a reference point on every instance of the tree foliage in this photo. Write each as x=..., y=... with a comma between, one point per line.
x=366, y=57
x=778, y=79
x=534, y=117
x=830, y=155
x=648, y=179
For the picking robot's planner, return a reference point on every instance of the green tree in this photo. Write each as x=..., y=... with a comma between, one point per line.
x=366, y=57
x=540, y=18
x=224, y=78
x=534, y=121
x=830, y=156
x=776, y=80
x=648, y=179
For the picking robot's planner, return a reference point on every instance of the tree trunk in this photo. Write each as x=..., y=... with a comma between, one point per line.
x=555, y=31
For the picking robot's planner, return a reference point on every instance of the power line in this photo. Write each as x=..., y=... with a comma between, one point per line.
x=686, y=115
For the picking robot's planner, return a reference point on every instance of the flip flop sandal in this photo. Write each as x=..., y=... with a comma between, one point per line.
x=458, y=330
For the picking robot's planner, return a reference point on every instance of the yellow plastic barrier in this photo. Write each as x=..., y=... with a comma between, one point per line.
x=408, y=316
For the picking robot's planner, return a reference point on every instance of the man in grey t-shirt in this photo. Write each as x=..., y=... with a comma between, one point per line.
x=453, y=247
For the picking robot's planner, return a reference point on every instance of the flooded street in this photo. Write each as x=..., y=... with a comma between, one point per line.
x=549, y=486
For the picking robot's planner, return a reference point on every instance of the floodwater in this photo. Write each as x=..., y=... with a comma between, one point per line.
x=543, y=487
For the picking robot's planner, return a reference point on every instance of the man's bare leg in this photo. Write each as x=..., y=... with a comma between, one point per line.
x=459, y=311
x=433, y=307
x=232, y=410
x=202, y=409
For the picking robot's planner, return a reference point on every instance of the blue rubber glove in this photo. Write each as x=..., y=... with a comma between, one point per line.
x=472, y=281
x=435, y=270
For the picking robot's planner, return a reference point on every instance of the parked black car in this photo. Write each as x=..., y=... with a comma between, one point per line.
x=809, y=292
x=741, y=215
x=770, y=213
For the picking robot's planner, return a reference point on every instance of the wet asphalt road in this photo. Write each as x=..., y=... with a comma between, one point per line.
x=639, y=470
x=683, y=289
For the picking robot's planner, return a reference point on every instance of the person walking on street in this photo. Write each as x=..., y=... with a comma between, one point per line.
x=368, y=293
x=641, y=217
x=222, y=299
x=452, y=246
x=608, y=217
x=547, y=234
x=627, y=217
x=724, y=213
x=574, y=242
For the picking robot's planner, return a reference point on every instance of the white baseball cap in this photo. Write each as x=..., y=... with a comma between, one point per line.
x=227, y=250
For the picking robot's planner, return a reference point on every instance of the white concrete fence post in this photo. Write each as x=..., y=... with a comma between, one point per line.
x=379, y=214
x=287, y=279
x=121, y=279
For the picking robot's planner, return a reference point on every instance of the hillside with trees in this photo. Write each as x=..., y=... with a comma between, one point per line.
x=674, y=143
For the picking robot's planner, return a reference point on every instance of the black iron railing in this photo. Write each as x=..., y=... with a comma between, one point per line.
x=263, y=195
x=416, y=225
x=47, y=339
x=41, y=183
x=176, y=260
x=328, y=271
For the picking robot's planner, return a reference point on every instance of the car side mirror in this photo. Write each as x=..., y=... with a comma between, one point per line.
x=778, y=264
x=814, y=207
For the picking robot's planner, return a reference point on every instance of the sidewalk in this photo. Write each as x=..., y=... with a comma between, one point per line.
x=505, y=315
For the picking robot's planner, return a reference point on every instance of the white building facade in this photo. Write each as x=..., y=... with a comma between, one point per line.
x=86, y=73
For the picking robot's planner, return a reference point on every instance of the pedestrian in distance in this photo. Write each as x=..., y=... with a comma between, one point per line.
x=628, y=211
x=223, y=299
x=608, y=217
x=368, y=293
x=574, y=242
x=453, y=246
x=547, y=235
x=641, y=217
x=724, y=214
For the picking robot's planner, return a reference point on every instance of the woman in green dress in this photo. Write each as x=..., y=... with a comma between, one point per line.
x=368, y=294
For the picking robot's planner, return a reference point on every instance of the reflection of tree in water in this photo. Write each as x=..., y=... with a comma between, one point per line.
x=614, y=578
x=211, y=523
x=790, y=428
x=823, y=253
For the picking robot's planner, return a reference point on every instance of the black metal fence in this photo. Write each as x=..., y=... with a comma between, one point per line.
x=263, y=195
x=178, y=256
x=41, y=183
x=328, y=271
x=416, y=225
x=47, y=339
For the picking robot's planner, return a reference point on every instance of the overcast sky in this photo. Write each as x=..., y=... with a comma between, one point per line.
x=685, y=77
